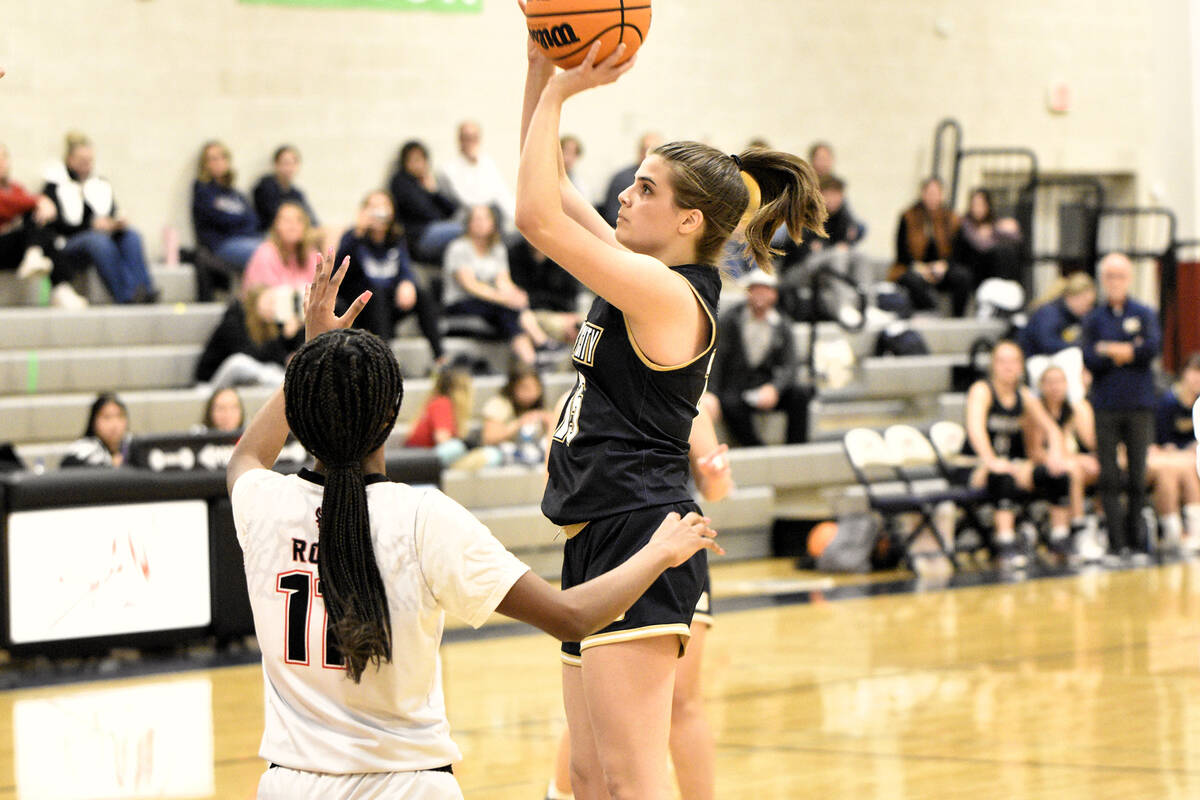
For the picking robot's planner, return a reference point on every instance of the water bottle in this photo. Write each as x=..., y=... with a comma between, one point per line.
x=171, y=246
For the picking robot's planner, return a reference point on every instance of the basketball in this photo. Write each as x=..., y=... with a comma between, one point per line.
x=565, y=29
x=820, y=537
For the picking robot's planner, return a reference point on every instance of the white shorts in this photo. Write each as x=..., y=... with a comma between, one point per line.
x=280, y=783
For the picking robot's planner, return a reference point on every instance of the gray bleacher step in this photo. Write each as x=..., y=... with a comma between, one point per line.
x=108, y=325
x=97, y=369
x=16, y=292
x=59, y=417
x=175, y=285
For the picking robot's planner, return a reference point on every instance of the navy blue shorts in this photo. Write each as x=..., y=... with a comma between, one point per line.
x=666, y=608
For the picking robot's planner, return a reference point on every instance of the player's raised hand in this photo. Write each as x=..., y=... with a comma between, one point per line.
x=591, y=74
x=683, y=538
x=537, y=57
x=320, y=299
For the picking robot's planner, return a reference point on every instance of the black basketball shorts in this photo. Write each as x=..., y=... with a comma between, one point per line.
x=666, y=608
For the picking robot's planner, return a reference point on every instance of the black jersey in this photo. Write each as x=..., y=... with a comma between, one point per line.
x=1004, y=426
x=621, y=442
x=1064, y=420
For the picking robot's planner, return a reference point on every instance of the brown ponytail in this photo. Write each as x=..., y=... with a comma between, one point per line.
x=714, y=183
x=791, y=195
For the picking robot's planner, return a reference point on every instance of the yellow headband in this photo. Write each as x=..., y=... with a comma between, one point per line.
x=755, y=196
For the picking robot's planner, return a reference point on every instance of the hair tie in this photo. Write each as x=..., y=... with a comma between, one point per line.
x=738, y=161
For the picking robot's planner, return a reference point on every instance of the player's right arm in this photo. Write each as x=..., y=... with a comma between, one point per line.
x=584, y=609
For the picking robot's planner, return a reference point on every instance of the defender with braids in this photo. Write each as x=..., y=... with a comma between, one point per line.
x=350, y=576
x=619, y=455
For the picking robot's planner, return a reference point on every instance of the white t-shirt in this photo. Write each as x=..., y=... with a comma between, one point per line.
x=480, y=184
x=433, y=555
x=461, y=254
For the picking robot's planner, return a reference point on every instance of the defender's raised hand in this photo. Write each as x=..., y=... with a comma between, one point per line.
x=320, y=299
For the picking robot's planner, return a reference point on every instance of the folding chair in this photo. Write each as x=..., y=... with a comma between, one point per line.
x=877, y=468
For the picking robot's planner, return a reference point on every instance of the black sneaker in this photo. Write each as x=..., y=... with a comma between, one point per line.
x=1010, y=555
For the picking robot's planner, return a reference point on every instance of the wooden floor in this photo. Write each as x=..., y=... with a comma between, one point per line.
x=1079, y=687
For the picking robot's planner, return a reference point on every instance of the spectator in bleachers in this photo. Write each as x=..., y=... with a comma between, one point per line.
x=820, y=156
x=379, y=263
x=516, y=421
x=445, y=421
x=427, y=210
x=755, y=368
x=624, y=178
x=838, y=250
x=572, y=151
x=1058, y=321
x=224, y=411
x=1004, y=424
x=1120, y=340
x=92, y=230
x=1171, y=461
x=224, y=219
x=924, y=248
x=279, y=187
x=105, y=441
x=253, y=341
x=988, y=246
x=553, y=292
x=288, y=256
x=473, y=176
x=1077, y=421
x=26, y=244
x=477, y=283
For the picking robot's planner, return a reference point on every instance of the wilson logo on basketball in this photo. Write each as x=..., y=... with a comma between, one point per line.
x=558, y=36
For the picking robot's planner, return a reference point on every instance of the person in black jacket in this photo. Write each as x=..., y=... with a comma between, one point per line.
x=279, y=187
x=428, y=213
x=553, y=292
x=225, y=222
x=755, y=368
x=379, y=263
x=252, y=342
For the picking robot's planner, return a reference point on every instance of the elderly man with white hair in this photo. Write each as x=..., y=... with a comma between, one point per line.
x=1120, y=339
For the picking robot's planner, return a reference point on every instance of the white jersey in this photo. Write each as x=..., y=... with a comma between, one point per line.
x=433, y=555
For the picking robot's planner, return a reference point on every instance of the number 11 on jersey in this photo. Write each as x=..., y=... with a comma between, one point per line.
x=301, y=587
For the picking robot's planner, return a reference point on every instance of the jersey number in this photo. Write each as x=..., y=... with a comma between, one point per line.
x=568, y=426
x=300, y=588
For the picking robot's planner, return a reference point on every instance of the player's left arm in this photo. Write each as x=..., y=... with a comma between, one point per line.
x=264, y=438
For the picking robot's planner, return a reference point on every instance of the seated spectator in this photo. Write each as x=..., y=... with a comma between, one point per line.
x=426, y=210
x=224, y=219
x=90, y=227
x=516, y=422
x=1120, y=340
x=820, y=156
x=1057, y=322
x=924, y=248
x=445, y=421
x=987, y=246
x=379, y=263
x=553, y=292
x=755, y=367
x=105, y=441
x=624, y=178
x=1077, y=422
x=837, y=251
x=26, y=244
x=1171, y=462
x=572, y=151
x=473, y=177
x=279, y=187
x=224, y=411
x=477, y=283
x=289, y=255
x=253, y=340
x=1004, y=422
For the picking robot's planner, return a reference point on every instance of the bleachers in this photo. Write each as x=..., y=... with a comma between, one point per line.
x=52, y=362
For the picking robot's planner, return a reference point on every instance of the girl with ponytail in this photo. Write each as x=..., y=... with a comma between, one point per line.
x=350, y=575
x=619, y=453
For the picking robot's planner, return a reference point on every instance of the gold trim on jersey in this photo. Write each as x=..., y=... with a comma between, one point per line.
x=613, y=637
x=574, y=529
x=570, y=660
x=704, y=619
x=712, y=339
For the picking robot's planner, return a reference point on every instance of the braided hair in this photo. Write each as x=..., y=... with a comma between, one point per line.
x=342, y=391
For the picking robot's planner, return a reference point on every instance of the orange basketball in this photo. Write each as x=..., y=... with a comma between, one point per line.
x=565, y=29
x=820, y=536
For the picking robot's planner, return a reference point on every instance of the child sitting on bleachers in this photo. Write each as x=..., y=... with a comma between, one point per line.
x=445, y=420
x=105, y=441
